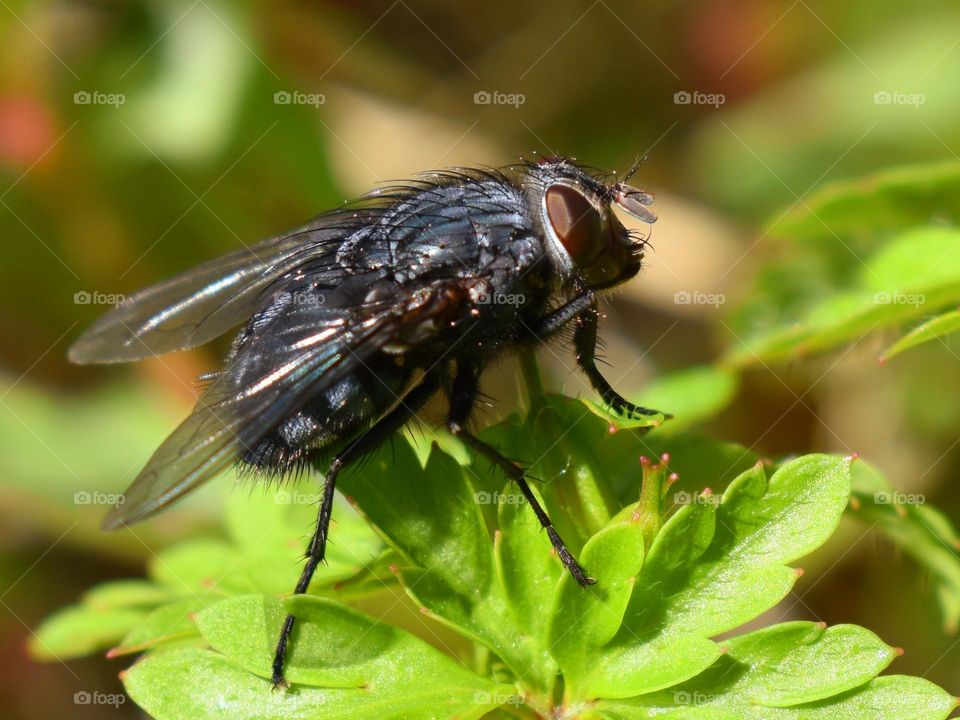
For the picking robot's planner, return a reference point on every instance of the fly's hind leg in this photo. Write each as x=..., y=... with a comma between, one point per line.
x=408, y=406
x=462, y=397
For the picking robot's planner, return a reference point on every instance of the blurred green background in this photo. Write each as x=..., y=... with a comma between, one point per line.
x=140, y=138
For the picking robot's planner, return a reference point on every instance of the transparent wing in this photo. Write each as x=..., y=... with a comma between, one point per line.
x=203, y=303
x=306, y=350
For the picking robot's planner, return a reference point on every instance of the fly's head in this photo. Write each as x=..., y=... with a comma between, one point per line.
x=585, y=240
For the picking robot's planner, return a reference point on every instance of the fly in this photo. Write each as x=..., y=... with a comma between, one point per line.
x=353, y=322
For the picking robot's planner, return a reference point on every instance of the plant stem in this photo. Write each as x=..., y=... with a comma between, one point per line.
x=530, y=369
x=652, y=496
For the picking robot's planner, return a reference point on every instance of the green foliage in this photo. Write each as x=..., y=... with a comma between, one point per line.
x=687, y=548
x=917, y=272
x=265, y=532
x=917, y=528
x=856, y=258
x=675, y=569
x=937, y=327
x=692, y=394
x=869, y=208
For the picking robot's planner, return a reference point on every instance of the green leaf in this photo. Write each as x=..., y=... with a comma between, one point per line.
x=877, y=204
x=188, y=684
x=723, y=694
x=167, y=626
x=199, y=567
x=624, y=421
x=925, y=257
x=270, y=528
x=375, y=577
x=126, y=594
x=101, y=618
x=937, y=327
x=643, y=659
x=525, y=563
x=691, y=586
x=803, y=662
x=432, y=517
x=325, y=650
x=79, y=630
x=587, y=618
x=911, y=276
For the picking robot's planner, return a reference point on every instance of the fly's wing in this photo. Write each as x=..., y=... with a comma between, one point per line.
x=304, y=349
x=201, y=304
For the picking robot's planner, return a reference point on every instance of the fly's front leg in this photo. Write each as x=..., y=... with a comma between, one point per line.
x=462, y=397
x=555, y=320
x=585, y=344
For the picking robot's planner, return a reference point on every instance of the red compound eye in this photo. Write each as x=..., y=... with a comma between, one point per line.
x=576, y=223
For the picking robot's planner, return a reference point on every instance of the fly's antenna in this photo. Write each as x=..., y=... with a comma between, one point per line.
x=632, y=170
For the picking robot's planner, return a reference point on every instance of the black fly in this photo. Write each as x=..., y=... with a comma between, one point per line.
x=351, y=323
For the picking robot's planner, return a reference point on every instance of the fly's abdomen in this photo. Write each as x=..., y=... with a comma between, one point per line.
x=329, y=422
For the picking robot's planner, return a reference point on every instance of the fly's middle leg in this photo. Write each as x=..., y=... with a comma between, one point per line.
x=462, y=397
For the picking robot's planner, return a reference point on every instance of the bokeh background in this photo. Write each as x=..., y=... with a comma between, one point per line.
x=140, y=138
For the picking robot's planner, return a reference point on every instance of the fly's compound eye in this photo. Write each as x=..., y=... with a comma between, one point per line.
x=576, y=223
x=634, y=202
x=598, y=245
